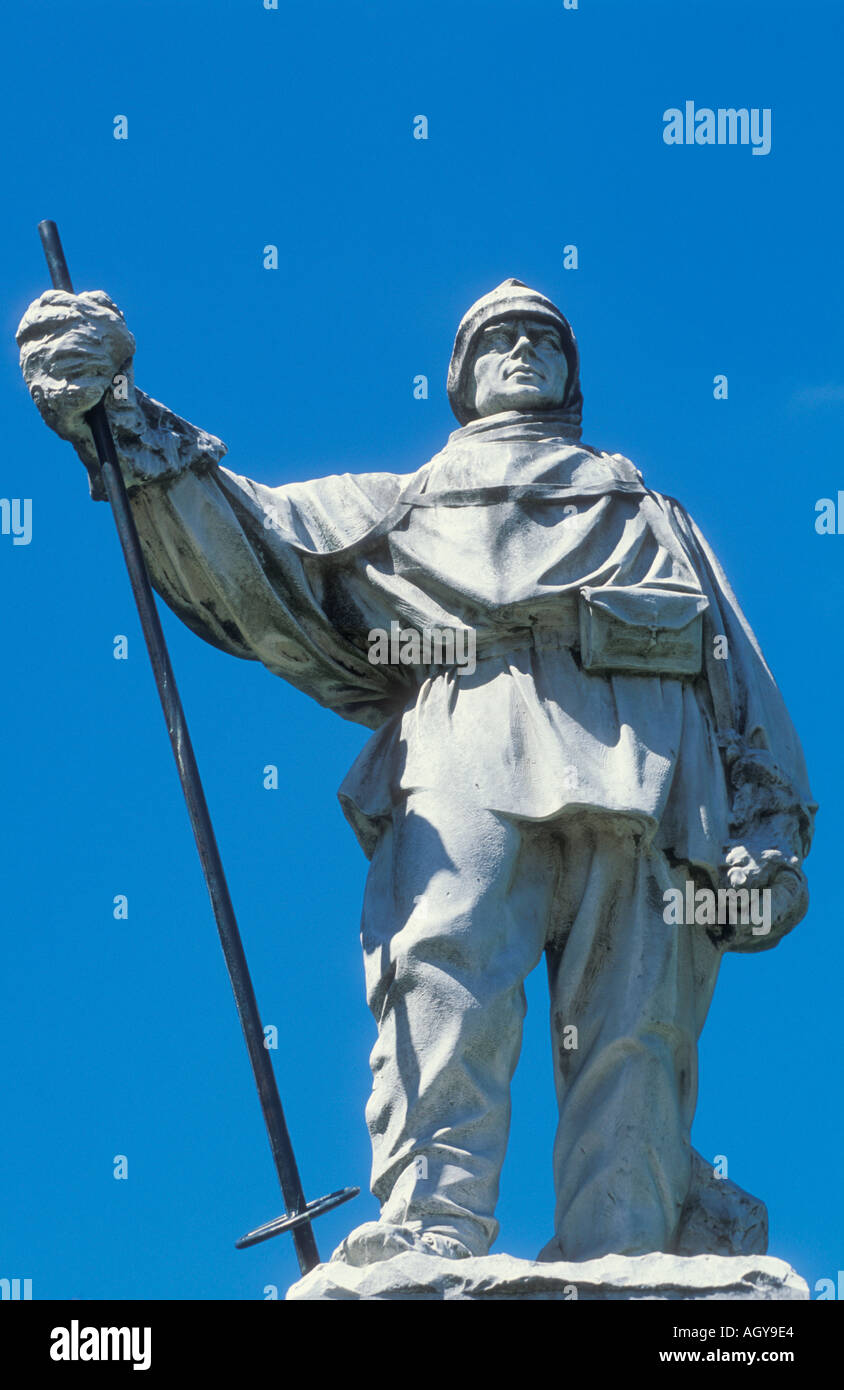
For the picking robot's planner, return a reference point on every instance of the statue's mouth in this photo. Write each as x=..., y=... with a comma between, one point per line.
x=523, y=371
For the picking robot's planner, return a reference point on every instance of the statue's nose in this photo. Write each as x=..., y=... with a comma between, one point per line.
x=523, y=343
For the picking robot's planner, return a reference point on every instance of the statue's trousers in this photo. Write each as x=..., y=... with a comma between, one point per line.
x=460, y=905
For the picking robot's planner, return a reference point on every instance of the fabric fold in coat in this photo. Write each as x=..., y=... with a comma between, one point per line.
x=496, y=535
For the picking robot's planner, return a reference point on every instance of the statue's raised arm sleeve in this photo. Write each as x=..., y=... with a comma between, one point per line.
x=226, y=556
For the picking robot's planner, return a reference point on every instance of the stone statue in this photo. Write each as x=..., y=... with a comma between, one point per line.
x=613, y=781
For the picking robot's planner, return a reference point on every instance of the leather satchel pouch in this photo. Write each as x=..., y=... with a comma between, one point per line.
x=654, y=632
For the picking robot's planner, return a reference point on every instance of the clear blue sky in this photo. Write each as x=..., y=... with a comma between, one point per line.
x=294, y=127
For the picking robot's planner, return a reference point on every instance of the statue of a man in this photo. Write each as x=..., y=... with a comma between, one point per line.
x=614, y=759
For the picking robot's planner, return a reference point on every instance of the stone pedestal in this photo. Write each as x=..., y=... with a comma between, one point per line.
x=427, y=1278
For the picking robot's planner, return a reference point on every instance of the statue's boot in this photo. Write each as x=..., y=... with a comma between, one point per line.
x=381, y=1240
x=718, y=1218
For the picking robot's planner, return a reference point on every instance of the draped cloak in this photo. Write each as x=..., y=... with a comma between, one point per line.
x=497, y=534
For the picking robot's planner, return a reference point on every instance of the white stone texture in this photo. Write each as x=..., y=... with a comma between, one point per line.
x=429, y=1278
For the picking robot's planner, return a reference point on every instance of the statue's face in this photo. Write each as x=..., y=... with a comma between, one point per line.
x=519, y=365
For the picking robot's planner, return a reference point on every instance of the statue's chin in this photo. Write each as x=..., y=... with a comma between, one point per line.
x=519, y=400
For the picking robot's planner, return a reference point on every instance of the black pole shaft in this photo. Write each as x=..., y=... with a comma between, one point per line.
x=206, y=843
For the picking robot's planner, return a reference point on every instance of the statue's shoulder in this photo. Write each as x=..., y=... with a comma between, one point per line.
x=617, y=464
x=332, y=514
x=623, y=467
x=375, y=492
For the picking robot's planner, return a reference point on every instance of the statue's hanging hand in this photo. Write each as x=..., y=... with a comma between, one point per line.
x=771, y=834
x=781, y=896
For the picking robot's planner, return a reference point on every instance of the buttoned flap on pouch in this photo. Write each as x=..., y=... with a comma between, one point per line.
x=650, y=631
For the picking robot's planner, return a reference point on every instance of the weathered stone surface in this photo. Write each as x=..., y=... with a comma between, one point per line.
x=719, y=1217
x=615, y=1278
